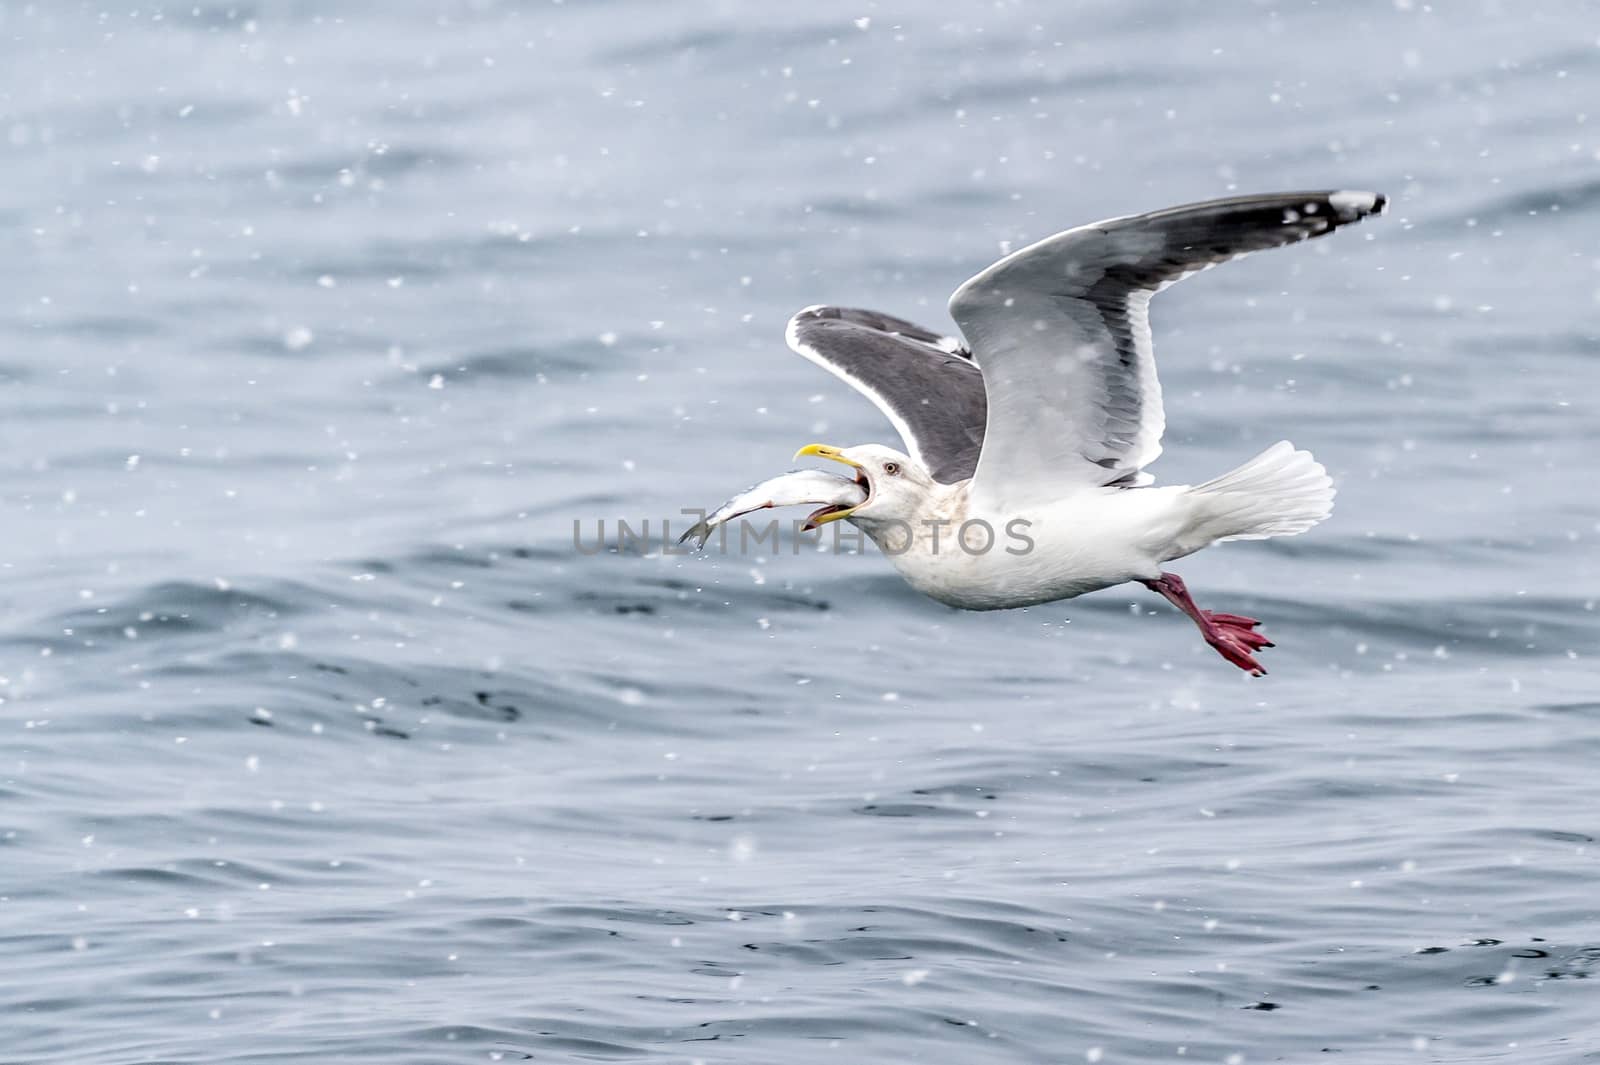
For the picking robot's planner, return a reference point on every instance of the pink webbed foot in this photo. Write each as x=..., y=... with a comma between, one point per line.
x=1233, y=636
x=1235, y=639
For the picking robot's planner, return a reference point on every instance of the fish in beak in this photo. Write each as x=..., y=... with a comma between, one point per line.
x=835, y=511
x=789, y=489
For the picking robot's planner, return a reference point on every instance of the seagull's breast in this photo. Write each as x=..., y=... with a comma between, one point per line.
x=996, y=561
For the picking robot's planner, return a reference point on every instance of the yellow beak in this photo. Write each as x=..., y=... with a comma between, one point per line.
x=823, y=451
x=826, y=452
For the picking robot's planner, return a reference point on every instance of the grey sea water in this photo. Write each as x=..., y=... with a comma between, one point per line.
x=321, y=325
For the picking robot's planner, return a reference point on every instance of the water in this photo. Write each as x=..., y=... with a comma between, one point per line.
x=324, y=323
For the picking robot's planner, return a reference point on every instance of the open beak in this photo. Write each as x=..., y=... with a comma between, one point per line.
x=832, y=513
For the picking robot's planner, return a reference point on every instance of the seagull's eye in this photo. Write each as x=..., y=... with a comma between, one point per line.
x=891, y=468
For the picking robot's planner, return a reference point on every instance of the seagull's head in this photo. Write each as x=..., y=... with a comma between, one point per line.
x=896, y=484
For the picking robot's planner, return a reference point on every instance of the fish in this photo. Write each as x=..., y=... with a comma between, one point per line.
x=786, y=490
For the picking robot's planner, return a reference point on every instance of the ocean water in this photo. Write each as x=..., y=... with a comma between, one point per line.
x=326, y=328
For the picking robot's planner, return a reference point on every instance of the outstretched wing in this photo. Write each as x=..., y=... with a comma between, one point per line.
x=1061, y=330
x=925, y=383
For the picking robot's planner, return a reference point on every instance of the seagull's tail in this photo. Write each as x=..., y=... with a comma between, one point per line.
x=1280, y=492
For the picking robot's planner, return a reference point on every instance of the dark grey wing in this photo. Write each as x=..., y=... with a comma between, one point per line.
x=925, y=383
x=1062, y=332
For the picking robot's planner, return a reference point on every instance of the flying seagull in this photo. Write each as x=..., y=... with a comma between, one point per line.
x=1023, y=477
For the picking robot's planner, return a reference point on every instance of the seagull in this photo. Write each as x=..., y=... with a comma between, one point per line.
x=1023, y=476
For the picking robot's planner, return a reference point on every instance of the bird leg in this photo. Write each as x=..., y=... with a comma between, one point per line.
x=1233, y=635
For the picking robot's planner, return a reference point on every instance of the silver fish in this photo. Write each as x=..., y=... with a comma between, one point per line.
x=787, y=490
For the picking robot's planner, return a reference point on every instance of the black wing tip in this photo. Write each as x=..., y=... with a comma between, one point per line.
x=827, y=316
x=1303, y=216
x=1321, y=210
x=1355, y=204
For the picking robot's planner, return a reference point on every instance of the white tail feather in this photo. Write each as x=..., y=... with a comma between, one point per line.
x=1280, y=492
